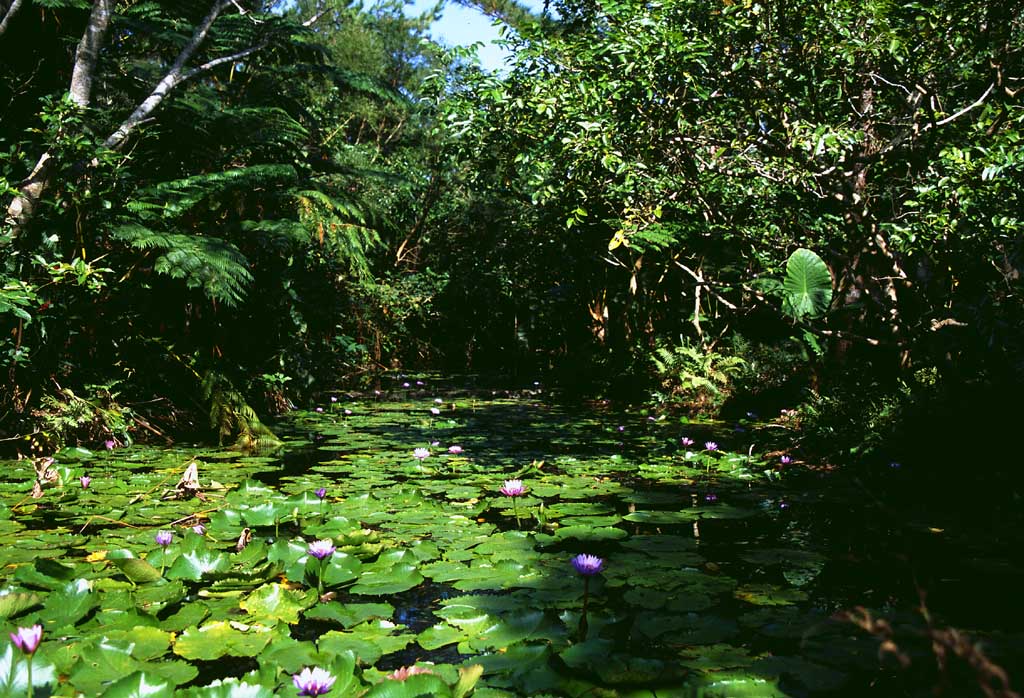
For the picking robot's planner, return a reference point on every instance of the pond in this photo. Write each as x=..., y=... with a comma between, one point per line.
x=722, y=571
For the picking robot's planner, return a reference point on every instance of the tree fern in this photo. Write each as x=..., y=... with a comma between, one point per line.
x=339, y=226
x=232, y=417
x=208, y=263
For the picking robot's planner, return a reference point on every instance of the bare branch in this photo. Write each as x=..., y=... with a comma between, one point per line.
x=11, y=11
x=220, y=61
x=315, y=18
x=702, y=282
x=974, y=105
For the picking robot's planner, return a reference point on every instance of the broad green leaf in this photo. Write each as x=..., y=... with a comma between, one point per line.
x=808, y=285
x=273, y=602
x=140, y=685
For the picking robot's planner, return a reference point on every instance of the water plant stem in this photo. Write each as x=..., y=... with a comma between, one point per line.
x=515, y=510
x=29, y=677
x=583, y=615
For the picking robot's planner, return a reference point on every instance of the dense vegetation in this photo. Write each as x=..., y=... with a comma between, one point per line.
x=218, y=209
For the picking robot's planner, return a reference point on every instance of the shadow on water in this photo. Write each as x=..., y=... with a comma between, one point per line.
x=713, y=573
x=824, y=544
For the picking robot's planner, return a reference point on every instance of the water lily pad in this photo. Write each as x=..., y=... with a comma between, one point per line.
x=814, y=676
x=584, y=532
x=769, y=595
x=367, y=641
x=715, y=657
x=350, y=614
x=273, y=602
x=14, y=603
x=390, y=574
x=140, y=685
x=14, y=672
x=228, y=688
x=219, y=638
x=688, y=629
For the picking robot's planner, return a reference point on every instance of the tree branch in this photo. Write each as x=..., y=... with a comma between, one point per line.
x=219, y=61
x=11, y=11
x=974, y=105
x=173, y=77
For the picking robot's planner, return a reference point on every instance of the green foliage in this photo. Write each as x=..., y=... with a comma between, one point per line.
x=808, y=285
x=211, y=264
x=66, y=418
x=232, y=417
x=700, y=377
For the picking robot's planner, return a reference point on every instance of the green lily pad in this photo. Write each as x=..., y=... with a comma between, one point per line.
x=140, y=685
x=15, y=603
x=220, y=638
x=350, y=614
x=769, y=595
x=273, y=602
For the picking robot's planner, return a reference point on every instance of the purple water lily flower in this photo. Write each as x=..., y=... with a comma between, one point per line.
x=164, y=538
x=438, y=400
x=435, y=443
x=199, y=530
x=319, y=409
x=711, y=498
x=513, y=488
x=110, y=444
x=405, y=385
x=686, y=441
x=313, y=681
x=622, y=428
x=434, y=411
x=85, y=480
x=334, y=398
x=420, y=383
x=321, y=549
x=785, y=460
x=455, y=450
x=421, y=454
x=348, y=413
x=27, y=639
x=587, y=565
x=321, y=492
x=710, y=446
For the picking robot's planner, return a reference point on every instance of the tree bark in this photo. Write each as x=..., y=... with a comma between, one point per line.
x=20, y=211
x=9, y=14
x=88, y=52
x=174, y=76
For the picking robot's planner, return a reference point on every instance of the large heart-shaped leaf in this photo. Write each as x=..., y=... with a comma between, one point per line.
x=808, y=285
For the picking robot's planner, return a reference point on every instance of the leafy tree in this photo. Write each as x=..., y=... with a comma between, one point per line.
x=679, y=152
x=179, y=209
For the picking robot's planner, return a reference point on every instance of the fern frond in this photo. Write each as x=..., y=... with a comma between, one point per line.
x=215, y=266
x=231, y=415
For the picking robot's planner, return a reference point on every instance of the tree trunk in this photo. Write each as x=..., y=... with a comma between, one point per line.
x=20, y=211
x=88, y=52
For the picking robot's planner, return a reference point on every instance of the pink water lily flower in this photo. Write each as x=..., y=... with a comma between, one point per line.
x=407, y=671
x=27, y=639
x=513, y=488
x=455, y=450
x=421, y=454
x=313, y=681
x=85, y=480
